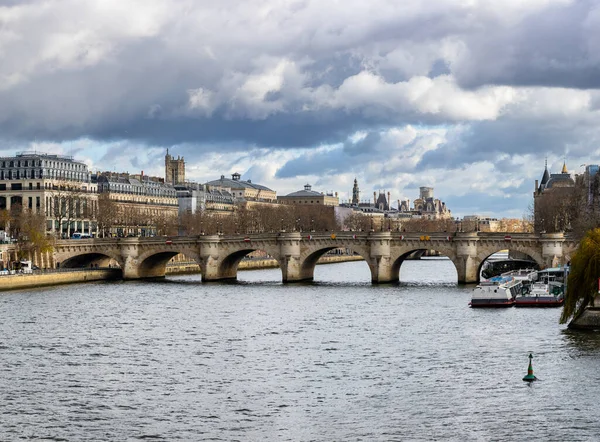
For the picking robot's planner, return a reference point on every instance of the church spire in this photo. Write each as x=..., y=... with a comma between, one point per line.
x=355, y=193
x=545, y=176
x=564, y=169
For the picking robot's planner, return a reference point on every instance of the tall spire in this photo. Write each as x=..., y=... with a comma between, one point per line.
x=355, y=193
x=564, y=169
x=545, y=176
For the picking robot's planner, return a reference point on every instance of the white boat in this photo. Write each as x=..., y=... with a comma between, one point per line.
x=499, y=291
x=547, y=289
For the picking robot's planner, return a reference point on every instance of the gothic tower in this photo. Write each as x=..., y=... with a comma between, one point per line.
x=174, y=169
x=355, y=193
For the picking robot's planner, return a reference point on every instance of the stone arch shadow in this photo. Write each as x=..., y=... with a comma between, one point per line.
x=228, y=266
x=483, y=255
x=89, y=260
x=445, y=251
x=310, y=256
x=153, y=264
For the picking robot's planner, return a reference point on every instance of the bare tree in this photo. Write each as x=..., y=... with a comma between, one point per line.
x=30, y=232
x=69, y=203
x=357, y=221
x=165, y=223
x=4, y=219
x=108, y=214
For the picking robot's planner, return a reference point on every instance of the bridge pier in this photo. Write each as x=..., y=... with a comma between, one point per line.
x=552, y=249
x=210, y=268
x=131, y=268
x=467, y=269
x=211, y=261
x=467, y=263
x=289, y=258
x=380, y=261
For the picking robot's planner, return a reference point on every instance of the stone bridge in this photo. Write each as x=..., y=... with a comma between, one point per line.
x=297, y=253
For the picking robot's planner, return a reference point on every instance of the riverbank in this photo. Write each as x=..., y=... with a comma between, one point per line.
x=184, y=268
x=589, y=319
x=71, y=276
x=56, y=277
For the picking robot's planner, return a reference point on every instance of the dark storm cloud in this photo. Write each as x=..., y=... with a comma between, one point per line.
x=490, y=140
x=150, y=77
x=365, y=145
x=331, y=84
x=556, y=47
x=320, y=163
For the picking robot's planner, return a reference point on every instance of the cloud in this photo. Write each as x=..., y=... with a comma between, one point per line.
x=398, y=94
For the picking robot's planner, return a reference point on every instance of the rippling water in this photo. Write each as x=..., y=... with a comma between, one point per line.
x=335, y=360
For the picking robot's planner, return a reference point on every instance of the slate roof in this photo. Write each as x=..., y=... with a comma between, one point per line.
x=237, y=184
x=305, y=193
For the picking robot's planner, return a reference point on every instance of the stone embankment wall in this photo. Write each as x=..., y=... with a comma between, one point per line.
x=255, y=264
x=589, y=319
x=58, y=277
x=33, y=280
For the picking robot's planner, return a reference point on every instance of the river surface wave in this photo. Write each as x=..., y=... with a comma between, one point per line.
x=334, y=360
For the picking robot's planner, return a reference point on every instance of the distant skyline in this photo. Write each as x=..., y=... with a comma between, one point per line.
x=468, y=97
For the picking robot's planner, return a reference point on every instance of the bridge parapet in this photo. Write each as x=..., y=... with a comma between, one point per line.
x=298, y=252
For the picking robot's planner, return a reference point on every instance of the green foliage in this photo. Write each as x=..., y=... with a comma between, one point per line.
x=583, y=277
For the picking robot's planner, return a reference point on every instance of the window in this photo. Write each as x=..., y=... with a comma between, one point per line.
x=16, y=186
x=30, y=186
x=38, y=186
x=2, y=186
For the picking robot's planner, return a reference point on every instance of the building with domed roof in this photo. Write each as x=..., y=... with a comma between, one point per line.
x=309, y=196
x=244, y=191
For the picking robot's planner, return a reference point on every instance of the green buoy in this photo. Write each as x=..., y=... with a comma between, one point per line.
x=530, y=377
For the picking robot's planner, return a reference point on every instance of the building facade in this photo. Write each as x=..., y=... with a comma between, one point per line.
x=552, y=198
x=136, y=203
x=426, y=206
x=194, y=198
x=244, y=192
x=55, y=185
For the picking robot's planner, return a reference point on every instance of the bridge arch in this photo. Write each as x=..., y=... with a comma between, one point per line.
x=228, y=266
x=311, y=255
x=405, y=252
x=90, y=259
x=483, y=253
x=153, y=263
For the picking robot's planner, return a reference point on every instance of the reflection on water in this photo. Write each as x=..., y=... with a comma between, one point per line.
x=586, y=341
x=337, y=359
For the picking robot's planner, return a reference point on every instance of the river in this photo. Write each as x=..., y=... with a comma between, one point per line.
x=334, y=360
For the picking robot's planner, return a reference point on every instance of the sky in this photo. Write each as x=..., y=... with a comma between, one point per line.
x=467, y=96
